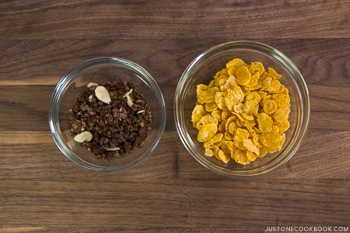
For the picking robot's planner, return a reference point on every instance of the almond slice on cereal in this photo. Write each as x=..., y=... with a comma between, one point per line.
x=113, y=149
x=92, y=85
x=128, y=98
x=85, y=136
x=102, y=94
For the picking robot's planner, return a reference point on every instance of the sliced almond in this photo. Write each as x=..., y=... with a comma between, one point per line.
x=102, y=94
x=113, y=149
x=128, y=98
x=92, y=85
x=140, y=111
x=85, y=136
x=90, y=98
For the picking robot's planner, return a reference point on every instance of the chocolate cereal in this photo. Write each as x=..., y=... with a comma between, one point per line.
x=116, y=115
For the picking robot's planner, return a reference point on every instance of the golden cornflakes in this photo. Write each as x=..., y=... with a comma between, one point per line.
x=243, y=75
x=243, y=113
x=213, y=141
x=256, y=67
x=219, y=98
x=197, y=114
x=264, y=123
x=207, y=132
x=207, y=96
x=235, y=63
x=224, y=157
x=269, y=106
x=206, y=119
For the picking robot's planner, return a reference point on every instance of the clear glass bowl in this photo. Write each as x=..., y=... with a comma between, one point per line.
x=102, y=70
x=201, y=71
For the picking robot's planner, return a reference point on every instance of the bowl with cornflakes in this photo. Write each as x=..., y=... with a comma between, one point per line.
x=241, y=108
x=107, y=114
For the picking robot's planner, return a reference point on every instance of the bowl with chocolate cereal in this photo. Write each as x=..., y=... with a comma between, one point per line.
x=242, y=108
x=107, y=114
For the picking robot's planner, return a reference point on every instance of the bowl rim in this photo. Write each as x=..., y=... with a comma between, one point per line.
x=241, y=44
x=63, y=84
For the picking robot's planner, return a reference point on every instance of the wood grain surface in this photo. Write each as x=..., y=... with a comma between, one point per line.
x=42, y=191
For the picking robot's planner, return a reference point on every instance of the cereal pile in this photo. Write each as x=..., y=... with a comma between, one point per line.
x=243, y=113
x=111, y=119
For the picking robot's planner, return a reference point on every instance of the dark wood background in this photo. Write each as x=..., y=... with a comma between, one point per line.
x=41, y=191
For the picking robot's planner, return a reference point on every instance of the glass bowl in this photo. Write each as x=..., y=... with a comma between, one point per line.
x=103, y=70
x=202, y=70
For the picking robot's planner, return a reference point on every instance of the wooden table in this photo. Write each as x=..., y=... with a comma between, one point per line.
x=42, y=191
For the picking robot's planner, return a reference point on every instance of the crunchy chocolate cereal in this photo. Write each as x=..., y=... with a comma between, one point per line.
x=115, y=114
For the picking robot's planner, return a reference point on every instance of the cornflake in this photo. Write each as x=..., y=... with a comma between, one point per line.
x=242, y=114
